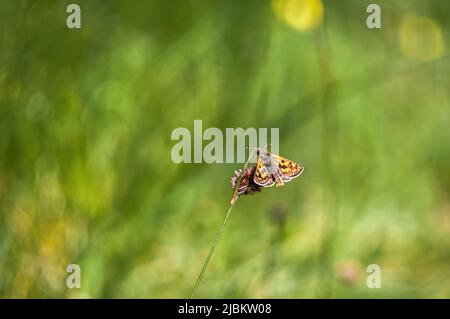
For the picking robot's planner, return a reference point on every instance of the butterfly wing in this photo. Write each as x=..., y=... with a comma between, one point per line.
x=262, y=175
x=288, y=169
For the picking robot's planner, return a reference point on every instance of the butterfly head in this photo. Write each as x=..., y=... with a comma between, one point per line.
x=261, y=150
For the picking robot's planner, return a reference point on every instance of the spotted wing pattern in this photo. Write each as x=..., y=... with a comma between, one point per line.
x=263, y=177
x=288, y=169
x=274, y=169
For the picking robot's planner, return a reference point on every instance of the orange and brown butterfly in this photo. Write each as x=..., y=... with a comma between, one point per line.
x=274, y=169
x=270, y=169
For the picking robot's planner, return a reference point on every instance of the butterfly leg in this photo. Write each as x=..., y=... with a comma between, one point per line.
x=278, y=180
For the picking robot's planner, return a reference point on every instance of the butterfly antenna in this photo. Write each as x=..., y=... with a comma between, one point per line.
x=266, y=146
x=253, y=148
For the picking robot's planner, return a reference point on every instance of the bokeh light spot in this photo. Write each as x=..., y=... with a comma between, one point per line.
x=299, y=14
x=420, y=38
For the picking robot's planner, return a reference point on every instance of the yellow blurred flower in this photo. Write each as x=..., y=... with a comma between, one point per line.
x=420, y=38
x=299, y=14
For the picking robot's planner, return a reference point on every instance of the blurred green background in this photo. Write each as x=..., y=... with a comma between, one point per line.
x=86, y=175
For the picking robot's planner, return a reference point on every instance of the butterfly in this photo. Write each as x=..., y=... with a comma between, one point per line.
x=270, y=169
x=274, y=169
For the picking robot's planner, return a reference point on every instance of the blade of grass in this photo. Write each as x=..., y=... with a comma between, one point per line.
x=233, y=200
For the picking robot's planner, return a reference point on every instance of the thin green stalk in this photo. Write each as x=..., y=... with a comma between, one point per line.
x=234, y=198
x=211, y=251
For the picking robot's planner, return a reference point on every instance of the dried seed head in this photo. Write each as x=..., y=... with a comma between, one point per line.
x=247, y=185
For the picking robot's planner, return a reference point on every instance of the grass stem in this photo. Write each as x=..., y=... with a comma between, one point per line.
x=233, y=200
